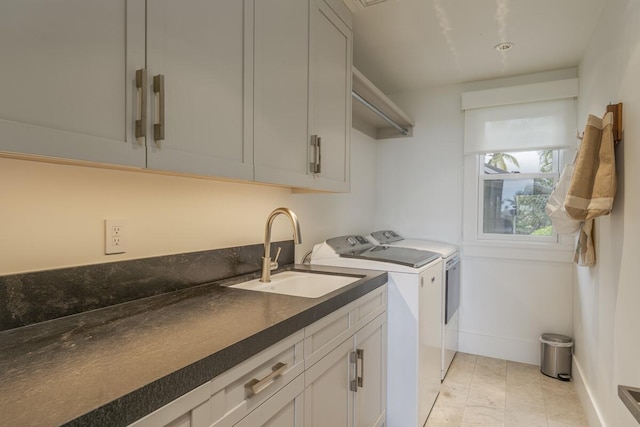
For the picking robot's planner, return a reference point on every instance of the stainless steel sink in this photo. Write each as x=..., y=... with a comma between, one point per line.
x=299, y=284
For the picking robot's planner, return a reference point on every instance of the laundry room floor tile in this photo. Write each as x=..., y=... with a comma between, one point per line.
x=483, y=391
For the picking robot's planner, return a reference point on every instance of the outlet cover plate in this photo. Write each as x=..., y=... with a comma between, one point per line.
x=115, y=236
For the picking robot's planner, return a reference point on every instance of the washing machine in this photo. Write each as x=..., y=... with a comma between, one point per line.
x=414, y=312
x=451, y=280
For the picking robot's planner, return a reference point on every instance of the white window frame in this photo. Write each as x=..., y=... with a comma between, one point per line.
x=560, y=250
x=483, y=177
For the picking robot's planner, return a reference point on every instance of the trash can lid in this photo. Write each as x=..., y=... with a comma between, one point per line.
x=556, y=338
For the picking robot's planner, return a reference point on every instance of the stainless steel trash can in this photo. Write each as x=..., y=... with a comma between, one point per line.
x=555, y=356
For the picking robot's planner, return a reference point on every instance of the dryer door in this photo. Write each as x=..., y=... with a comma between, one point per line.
x=452, y=289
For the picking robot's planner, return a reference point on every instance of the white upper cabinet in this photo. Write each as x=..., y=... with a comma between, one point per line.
x=330, y=95
x=198, y=47
x=302, y=102
x=228, y=88
x=281, y=76
x=67, y=79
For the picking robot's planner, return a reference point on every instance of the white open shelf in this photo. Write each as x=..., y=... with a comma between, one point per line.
x=371, y=123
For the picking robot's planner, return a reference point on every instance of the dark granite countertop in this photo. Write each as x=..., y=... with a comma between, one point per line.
x=113, y=365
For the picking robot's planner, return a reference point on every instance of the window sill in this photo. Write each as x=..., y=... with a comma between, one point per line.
x=530, y=251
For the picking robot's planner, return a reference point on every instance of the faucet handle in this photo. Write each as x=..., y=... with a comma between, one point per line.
x=274, y=264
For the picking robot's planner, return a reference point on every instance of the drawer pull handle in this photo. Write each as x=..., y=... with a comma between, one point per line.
x=255, y=386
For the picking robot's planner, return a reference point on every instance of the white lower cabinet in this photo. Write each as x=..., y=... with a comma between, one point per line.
x=347, y=386
x=333, y=372
x=328, y=400
x=371, y=397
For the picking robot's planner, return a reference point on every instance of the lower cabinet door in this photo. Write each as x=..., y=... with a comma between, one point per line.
x=371, y=375
x=328, y=399
x=283, y=409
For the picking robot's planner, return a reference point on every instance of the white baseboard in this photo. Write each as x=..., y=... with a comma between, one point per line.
x=500, y=347
x=594, y=416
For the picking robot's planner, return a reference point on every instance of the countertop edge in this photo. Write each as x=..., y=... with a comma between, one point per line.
x=142, y=401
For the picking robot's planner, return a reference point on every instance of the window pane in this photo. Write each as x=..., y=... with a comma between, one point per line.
x=516, y=206
x=520, y=162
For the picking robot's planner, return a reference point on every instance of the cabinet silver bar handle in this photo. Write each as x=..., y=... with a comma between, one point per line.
x=353, y=384
x=158, y=88
x=313, y=165
x=319, y=156
x=141, y=86
x=255, y=386
x=360, y=353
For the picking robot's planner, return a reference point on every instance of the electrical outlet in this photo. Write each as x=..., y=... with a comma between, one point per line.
x=115, y=236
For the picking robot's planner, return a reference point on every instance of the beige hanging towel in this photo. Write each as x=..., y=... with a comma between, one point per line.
x=593, y=184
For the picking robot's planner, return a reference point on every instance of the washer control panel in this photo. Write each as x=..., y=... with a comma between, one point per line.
x=352, y=244
x=386, y=236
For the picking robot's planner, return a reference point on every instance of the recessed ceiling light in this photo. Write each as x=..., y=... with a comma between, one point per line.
x=501, y=47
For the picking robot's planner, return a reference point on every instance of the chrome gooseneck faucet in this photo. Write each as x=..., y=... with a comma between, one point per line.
x=267, y=264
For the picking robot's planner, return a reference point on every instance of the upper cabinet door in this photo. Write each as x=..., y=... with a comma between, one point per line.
x=330, y=95
x=67, y=79
x=199, y=47
x=302, y=95
x=281, y=67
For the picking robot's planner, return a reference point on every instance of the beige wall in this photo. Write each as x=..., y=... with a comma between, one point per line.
x=52, y=215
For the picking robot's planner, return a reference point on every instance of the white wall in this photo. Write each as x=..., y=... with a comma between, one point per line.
x=508, y=303
x=607, y=296
x=52, y=215
x=420, y=178
x=505, y=303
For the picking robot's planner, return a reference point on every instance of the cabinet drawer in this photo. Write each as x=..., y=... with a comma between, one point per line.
x=190, y=410
x=327, y=333
x=267, y=372
x=370, y=306
x=283, y=409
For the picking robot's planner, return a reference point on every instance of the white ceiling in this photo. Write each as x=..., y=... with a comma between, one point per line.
x=403, y=45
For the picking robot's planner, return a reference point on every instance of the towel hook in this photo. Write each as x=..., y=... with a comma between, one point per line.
x=616, y=110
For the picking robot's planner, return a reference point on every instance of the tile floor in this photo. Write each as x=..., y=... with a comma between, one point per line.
x=482, y=391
